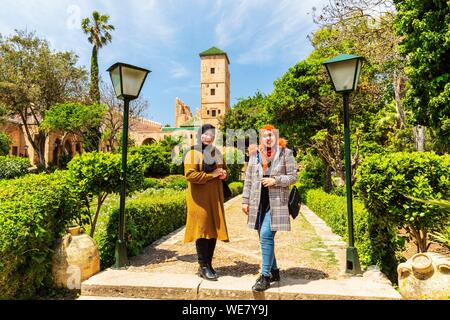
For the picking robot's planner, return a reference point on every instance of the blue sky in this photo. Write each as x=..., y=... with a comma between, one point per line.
x=262, y=38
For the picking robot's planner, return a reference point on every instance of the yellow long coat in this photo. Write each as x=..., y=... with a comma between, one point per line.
x=205, y=212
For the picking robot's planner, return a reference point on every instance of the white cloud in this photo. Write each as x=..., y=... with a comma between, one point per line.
x=179, y=71
x=265, y=30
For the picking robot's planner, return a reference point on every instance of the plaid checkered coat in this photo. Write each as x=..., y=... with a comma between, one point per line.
x=285, y=173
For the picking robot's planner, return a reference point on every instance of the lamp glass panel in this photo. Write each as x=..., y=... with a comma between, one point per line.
x=132, y=81
x=342, y=74
x=357, y=74
x=115, y=78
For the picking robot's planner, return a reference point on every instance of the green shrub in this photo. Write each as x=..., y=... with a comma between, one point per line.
x=34, y=211
x=153, y=183
x=149, y=216
x=176, y=182
x=157, y=159
x=98, y=174
x=376, y=242
x=234, y=159
x=5, y=141
x=311, y=174
x=236, y=188
x=12, y=167
x=385, y=182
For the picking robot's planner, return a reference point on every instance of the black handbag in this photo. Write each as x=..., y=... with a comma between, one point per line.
x=294, y=202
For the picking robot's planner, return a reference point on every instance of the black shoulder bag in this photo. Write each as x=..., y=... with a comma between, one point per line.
x=294, y=202
x=294, y=198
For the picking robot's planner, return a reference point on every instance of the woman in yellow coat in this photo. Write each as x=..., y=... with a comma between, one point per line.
x=204, y=170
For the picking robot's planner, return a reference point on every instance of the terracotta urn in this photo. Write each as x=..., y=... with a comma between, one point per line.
x=76, y=259
x=425, y=276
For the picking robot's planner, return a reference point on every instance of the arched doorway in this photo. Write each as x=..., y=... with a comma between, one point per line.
x=68, y=148
x=148, y=141
x=56, y=148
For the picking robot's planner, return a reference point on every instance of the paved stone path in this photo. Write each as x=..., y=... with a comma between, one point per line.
x=311, y=259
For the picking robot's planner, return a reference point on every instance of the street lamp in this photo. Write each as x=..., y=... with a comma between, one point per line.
x=344, y=71
x=127, y=81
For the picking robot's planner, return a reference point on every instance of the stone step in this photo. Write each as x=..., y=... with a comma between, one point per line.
x=146, y=285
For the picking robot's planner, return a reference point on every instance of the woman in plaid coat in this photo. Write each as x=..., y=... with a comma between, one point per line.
x=271, y=170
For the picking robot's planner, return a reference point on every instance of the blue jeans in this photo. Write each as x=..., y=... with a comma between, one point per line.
x=267, y=240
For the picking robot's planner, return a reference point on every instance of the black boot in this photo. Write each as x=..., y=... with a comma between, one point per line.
x=262, y=284
x=204, y=270
x=274, y=275
x=211, y=247
x=206, y=273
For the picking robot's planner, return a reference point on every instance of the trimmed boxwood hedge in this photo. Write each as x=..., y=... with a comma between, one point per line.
x=376, y=241
x=34, y=211
x=148, y=216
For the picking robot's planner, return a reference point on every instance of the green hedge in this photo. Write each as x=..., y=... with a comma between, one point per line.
x=34, y=211
x=12, y=167
x=376, y=243
x=176, y=182
x=149, y=216
x=311, y=174
x=236, y=188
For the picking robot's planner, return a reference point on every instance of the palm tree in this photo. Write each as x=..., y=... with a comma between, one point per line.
x=98, y=31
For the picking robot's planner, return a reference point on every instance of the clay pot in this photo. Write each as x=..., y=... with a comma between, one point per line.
x=425, y=276
x=76, y=259
x=75, y=230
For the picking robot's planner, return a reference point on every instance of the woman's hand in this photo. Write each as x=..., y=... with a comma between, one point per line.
x=245, y=208
x=224, y=174
x=217, y=172
x=268, y=182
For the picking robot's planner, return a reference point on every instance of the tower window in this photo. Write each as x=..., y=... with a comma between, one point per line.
x=213, y=92
x=213, y=70
x=207, y=111
x=217, y=85
x=213, y=113
x=218, y=111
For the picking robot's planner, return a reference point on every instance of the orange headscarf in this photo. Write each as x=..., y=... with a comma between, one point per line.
x=267, y=154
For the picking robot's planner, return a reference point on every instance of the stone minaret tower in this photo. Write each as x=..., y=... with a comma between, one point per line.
x=214, y=85
x=182, y=113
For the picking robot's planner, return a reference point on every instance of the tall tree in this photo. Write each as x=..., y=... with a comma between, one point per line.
x=33, y=79
x=97, y=30
x=425, y=28
x=369, y=25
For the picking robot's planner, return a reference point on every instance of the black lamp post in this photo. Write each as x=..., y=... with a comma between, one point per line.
x=127, y=81
x=344, y=72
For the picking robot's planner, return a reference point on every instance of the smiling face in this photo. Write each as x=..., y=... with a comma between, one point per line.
x=208, y=137
x=268, y=138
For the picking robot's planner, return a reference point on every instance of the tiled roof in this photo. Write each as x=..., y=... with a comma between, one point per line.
x=214, y=51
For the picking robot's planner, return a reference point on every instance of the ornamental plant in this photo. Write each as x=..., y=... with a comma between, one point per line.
x=384, y=181
x=94, y=176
